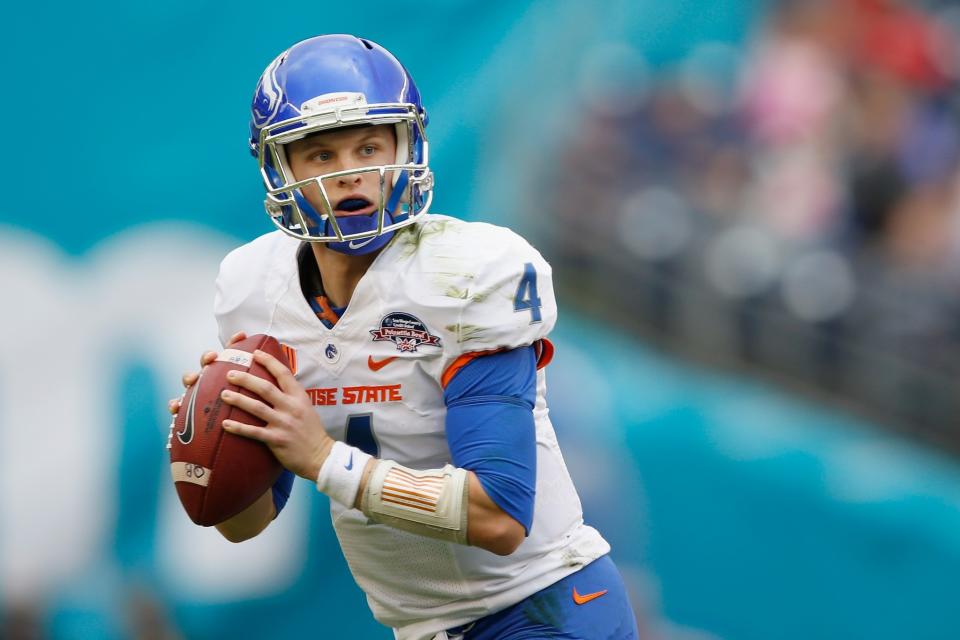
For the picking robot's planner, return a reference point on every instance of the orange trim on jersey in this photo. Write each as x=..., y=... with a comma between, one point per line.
x=460, y=363
x=327, y=313
x=545, y=350
x=291, y=355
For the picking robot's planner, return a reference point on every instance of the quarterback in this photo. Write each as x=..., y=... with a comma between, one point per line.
x=415, y=397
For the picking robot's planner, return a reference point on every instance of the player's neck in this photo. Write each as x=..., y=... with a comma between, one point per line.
x=339, y=272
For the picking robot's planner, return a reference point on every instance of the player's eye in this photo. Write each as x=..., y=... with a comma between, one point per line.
x=321, y=156
x=368, y=150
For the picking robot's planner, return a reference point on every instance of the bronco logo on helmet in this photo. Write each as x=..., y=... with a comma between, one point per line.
x=266, y=99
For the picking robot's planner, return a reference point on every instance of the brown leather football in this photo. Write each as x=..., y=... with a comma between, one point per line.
x=219, y=474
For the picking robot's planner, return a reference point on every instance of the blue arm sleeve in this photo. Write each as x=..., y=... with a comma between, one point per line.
x=281, y=490
x=490, y=428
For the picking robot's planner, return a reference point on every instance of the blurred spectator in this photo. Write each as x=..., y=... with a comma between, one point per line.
x=22, y=621
x=146, y=617
x=812, y=211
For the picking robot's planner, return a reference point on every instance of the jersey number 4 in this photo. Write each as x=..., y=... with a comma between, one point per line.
x=527, y=298
x=360, y=434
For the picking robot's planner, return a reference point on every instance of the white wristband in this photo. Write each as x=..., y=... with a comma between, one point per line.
x=341, y=473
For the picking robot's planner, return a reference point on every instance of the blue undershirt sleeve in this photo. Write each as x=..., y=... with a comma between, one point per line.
x=490, y=427
x=281, y=490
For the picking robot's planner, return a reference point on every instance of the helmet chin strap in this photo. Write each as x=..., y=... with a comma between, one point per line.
x=359, y=224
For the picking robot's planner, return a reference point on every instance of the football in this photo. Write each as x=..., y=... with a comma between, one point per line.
x=218, y=474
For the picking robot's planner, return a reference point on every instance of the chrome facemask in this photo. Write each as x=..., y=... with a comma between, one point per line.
x=411, y=181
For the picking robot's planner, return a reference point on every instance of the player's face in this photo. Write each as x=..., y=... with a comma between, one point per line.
x=341, y=150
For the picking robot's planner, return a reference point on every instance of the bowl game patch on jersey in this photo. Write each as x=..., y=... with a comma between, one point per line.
x=406, y=331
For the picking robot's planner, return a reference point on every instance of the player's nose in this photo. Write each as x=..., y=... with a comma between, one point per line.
x=351, y=179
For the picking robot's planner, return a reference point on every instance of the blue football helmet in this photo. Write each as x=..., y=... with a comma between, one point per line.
x=335, y=81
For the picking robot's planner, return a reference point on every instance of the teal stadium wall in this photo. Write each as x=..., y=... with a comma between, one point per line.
x=734, y=510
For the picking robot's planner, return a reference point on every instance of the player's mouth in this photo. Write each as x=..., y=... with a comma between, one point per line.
x=354, y=205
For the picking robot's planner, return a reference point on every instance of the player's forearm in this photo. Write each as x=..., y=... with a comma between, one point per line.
x=488, y=526
x=249, y=522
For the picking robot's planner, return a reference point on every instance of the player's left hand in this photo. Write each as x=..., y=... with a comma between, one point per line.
x=293, y=429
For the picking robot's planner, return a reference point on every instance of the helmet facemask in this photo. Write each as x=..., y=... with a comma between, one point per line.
x=409, y=178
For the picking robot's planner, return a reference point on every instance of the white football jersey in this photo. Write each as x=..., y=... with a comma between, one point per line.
x=441, y=289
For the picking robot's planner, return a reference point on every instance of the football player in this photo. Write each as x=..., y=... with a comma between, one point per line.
x=415, y=398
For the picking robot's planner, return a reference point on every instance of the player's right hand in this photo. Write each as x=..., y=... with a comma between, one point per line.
x=173, y=405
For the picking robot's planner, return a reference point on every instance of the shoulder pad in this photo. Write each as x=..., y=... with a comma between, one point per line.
x=246, y=274
x=496, y=289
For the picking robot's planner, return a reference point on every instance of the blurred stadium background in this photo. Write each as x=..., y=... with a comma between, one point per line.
x=753, y=209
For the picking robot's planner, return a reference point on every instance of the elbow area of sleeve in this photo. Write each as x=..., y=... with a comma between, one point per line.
x=495, y=437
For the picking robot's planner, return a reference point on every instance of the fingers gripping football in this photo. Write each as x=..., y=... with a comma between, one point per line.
x=293, y=431
x=252, y=406
x=275, y=404
x=189, y=378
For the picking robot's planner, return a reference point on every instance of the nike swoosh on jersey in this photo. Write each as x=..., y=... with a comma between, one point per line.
x=376, y=365
x=349, y=464
x=584, y=599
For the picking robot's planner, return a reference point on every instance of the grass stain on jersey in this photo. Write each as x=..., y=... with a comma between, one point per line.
x=465, y=332
x=408, y=241
x=456, y=292
x=481, y=296
x=413, y=236
x=435, y=228
x=453, y=284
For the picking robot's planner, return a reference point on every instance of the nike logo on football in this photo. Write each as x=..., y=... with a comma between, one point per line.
x=349, y=464
x=376, y=365
x=584, y=599
x=186, y=436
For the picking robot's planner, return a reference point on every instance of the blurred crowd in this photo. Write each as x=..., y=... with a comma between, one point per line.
x=791, y=204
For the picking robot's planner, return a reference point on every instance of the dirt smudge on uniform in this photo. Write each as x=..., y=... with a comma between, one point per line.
x=407, y=241
x=481, y=296
x=456, y=292
x=465, y=332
